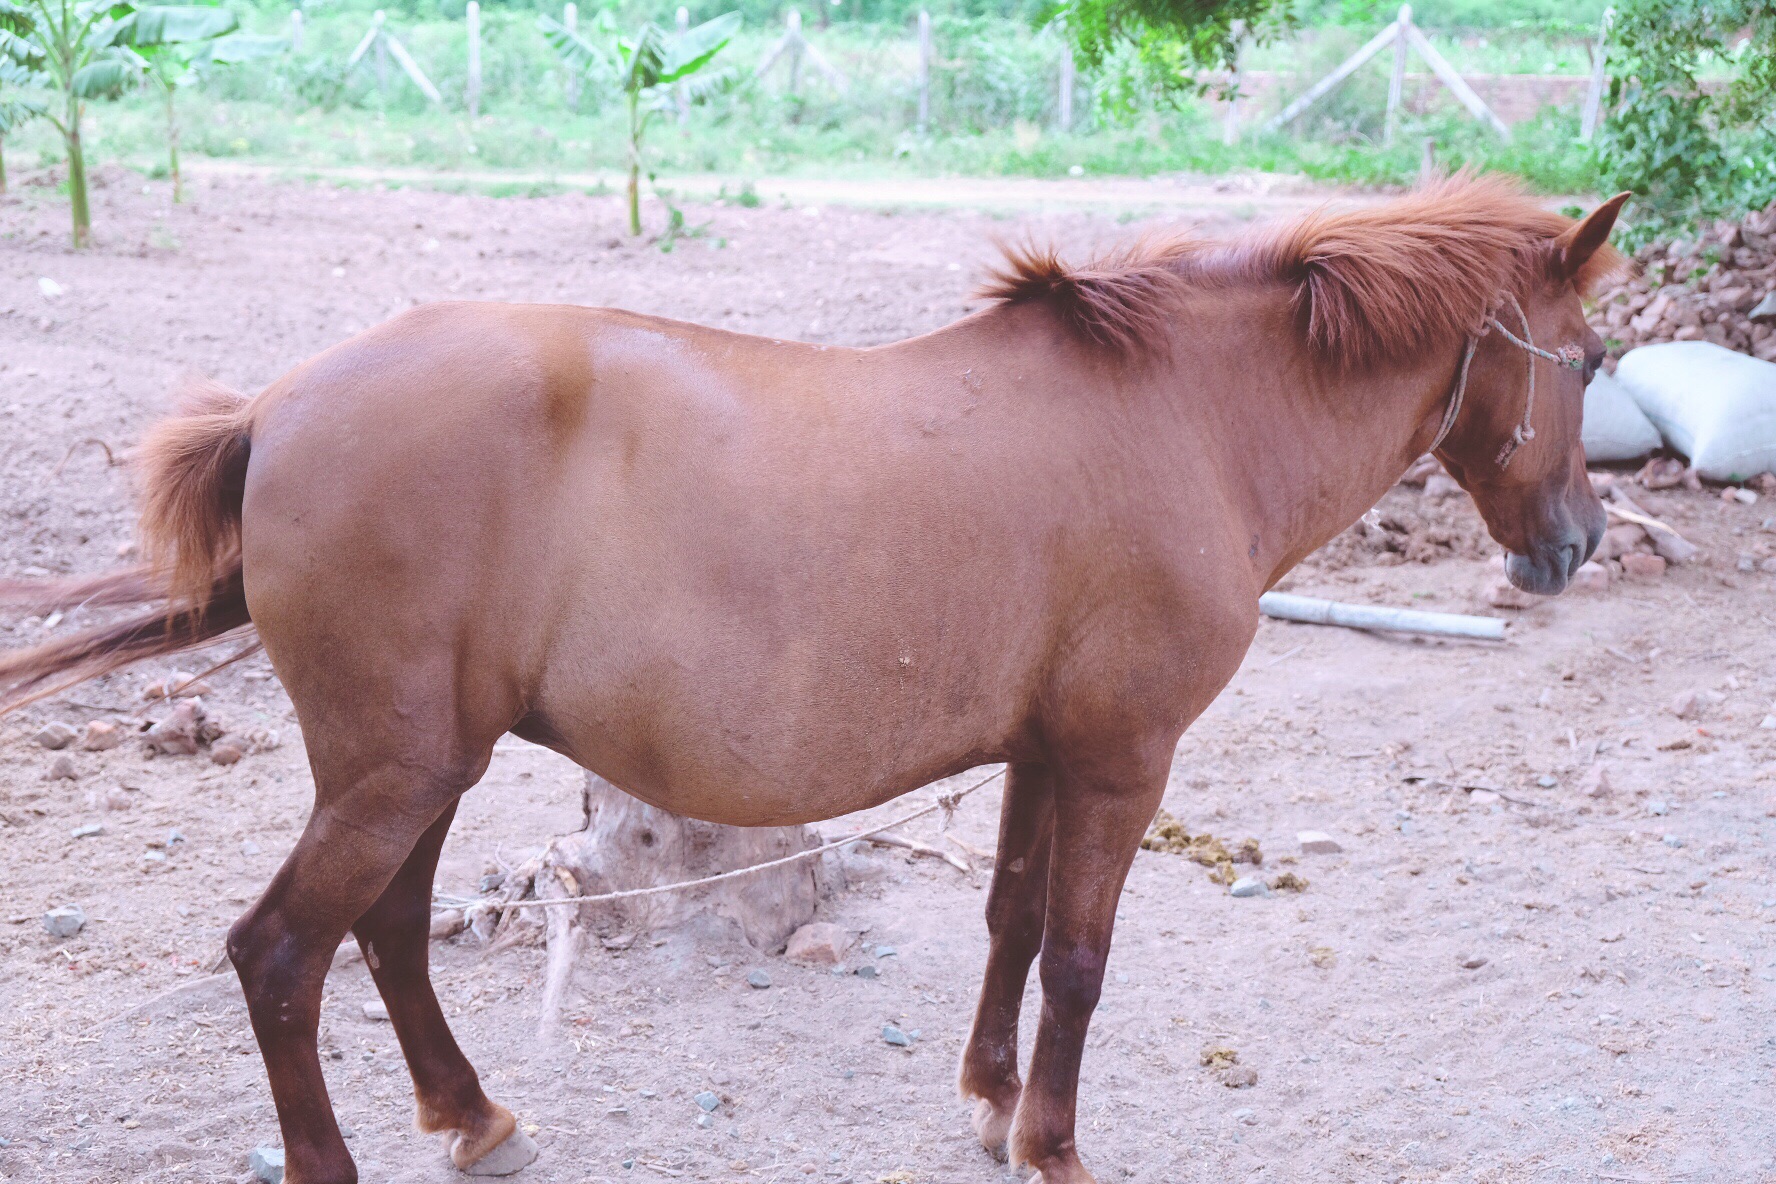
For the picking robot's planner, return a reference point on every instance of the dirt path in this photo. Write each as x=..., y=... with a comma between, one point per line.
x=1614, y=1023
x=1242, y=196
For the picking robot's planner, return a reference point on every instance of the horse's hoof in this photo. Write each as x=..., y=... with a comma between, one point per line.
x=994, y=1128
x=518, y=1151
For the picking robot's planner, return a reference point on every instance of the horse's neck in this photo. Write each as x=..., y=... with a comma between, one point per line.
x=1309, y=453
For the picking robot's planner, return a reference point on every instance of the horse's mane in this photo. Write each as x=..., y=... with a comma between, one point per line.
x=1369, y=284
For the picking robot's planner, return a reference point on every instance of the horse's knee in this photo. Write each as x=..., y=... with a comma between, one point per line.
x=1072, y=978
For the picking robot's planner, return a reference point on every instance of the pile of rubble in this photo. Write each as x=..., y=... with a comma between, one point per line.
x=1719, y=286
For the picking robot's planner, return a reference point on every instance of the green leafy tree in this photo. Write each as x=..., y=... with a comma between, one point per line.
x=650, y=69
x=1159, y=45
x=1686, y=150
x=19, y=57
x=173, y=46
x=81, y=64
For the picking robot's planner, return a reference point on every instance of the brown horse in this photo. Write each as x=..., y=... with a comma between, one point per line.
x=760, y=582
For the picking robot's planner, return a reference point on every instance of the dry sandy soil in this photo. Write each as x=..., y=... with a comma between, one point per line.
x=1618, y=1028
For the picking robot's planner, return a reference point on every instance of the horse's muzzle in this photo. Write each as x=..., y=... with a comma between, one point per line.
x=1550, y=566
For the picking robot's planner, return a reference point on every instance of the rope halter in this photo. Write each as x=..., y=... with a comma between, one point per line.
x=1569, y=356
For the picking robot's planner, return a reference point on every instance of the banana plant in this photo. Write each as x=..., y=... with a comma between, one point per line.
x=649, y=69
x=172, y=46
x=80, y=64
x=19, y=58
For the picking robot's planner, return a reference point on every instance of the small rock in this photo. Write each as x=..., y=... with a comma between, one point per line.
x=1768, y=723
x=55, y=734
x=100, y=735
x=1687, y=705
x=226, y=752
x=705, y=1120
x=1239, y=1077
x=1502, y=593
x=87, y=830
x=758, y=980
x=62, y=769
x=1662, y=472
x=1438, y=486
x=1314, y=842
x=1249, y=886
x=1672, y=841
x=708, y=1100
x=1470, y=961
x=1483, y=797
x=1596, y=781
x=65, y=921
x=177, y=734
x=49, y=287
x=447, y=924
x=267, y=1164
x=886, y=951
x=1644, y=567
x=375, y=1009
x=893, y=1035
x=1658, y=808
x=1765, y=311
x=1592, y=576
x=820, y=943
x=867, y=971
x=1246, y=1116
x=249, y=847
x=1547, y=781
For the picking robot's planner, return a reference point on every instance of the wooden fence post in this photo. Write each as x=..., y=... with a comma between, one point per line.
x=570, y=19
x=380, y=48
x=1397, y=81
x=474, y=85
x=924, y=70
x=1593, y=111
x=794, y=37
x=296, y=31
x=1230, y=123
x=1068, y=71
x=682, y=97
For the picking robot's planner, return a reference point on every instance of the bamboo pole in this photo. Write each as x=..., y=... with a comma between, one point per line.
x=1458, y=86
x=1324, y=86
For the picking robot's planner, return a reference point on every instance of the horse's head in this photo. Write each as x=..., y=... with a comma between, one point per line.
x=1522, y=461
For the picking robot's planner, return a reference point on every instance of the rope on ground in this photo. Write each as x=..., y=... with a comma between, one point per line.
x=945, y=802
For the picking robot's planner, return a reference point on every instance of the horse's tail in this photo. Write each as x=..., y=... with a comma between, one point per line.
x=193, y=473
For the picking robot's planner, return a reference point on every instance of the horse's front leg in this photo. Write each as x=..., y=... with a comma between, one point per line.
x=1015, y=910
x=1098, y=823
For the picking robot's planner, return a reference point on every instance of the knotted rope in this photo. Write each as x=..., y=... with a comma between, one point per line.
x=1569, y=356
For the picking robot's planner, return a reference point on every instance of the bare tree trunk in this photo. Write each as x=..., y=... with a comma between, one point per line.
x=626, y=843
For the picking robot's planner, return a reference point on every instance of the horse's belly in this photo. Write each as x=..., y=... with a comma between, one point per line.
x=763, y=742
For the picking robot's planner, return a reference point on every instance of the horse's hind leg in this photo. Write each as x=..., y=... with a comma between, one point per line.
x=395, y=935
x=1016, y=907
x=370, y=813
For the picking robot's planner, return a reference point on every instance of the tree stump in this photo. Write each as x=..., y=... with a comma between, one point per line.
x=625, y=844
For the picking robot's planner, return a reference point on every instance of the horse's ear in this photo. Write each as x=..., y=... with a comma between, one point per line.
x=1574, y=249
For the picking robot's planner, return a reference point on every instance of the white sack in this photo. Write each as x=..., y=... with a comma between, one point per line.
x=1615, y=426
x=1715, y=406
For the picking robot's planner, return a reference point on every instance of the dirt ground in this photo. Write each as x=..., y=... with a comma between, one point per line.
x=1500, y=978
